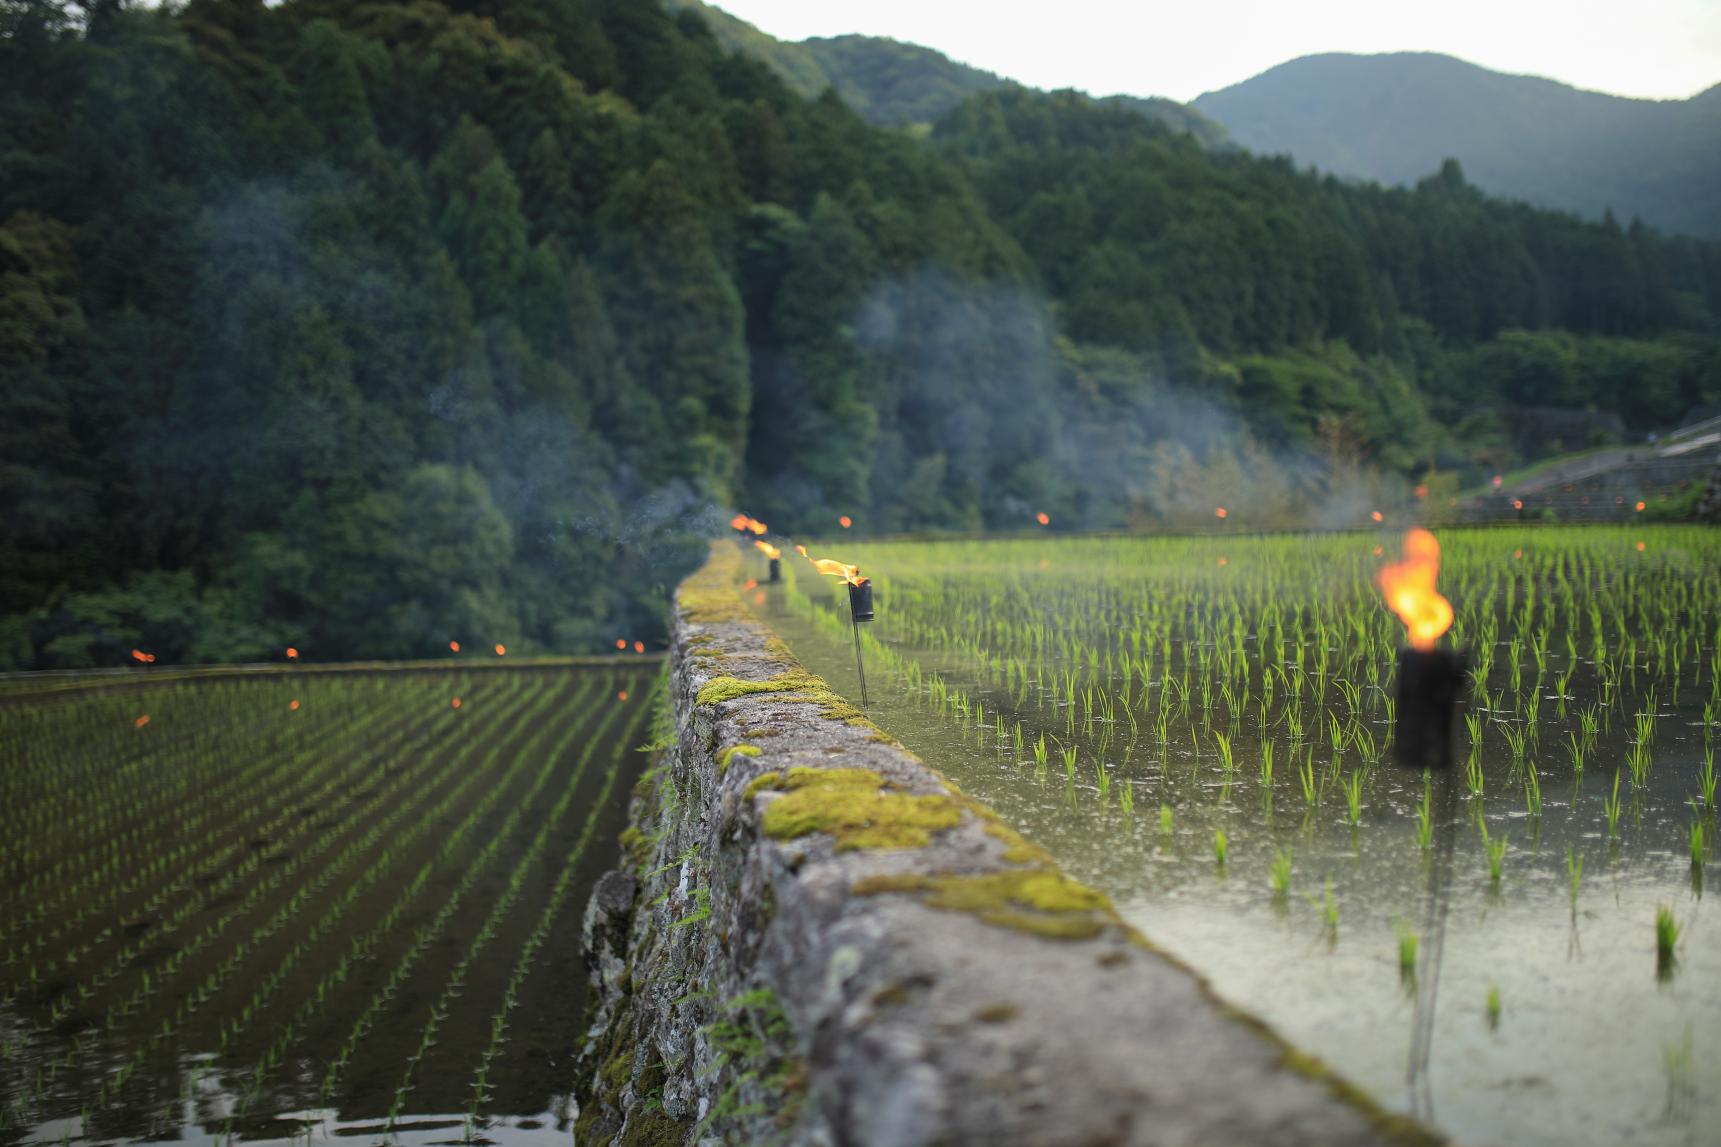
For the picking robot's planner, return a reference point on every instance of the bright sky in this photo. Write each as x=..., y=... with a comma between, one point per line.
x=1660, y=49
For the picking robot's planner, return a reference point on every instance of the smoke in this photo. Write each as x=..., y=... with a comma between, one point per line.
x=986, y=417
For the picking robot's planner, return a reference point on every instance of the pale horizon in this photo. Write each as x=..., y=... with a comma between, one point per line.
x=1668, y=50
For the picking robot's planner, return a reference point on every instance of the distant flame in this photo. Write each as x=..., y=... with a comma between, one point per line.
x=501, y=649
x=751, y=583
x=757, y=527
x=1377, y=515
x=1043, y=518
x=1221, y=512
x=1517, y=503
x=845, y=521
x=1498, y=481
x=454, y=646
x=622, y=696
x=139, y=656
x=1408, y=587
x=739, y=522
x=293, y=705
x=802, y=550
x=639, y=647
x=621, y=643
x=768, y=550
x=1640, y=507
x=292, y=654
x=454, y=704
x=141, y=721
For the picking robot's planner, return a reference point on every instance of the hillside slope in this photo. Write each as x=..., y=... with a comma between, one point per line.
x=1395, y=117
x=894, y=84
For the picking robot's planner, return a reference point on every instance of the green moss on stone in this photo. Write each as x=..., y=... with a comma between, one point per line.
x=854, y=805
x=653, y=1129
x=1042, y=901
x=732, y=752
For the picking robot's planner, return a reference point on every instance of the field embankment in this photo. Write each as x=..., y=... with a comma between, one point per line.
x=820, y=939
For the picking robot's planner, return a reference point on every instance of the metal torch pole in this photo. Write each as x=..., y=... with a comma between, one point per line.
x=860, y=665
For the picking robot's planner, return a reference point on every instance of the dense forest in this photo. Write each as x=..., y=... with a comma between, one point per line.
x=367, y=327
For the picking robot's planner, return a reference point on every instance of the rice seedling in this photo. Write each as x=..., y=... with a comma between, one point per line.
x=1165, y=819
x=1425, y=816
x=1532, y=791
x=1406, y=950
x=1696, y=840
x=1495, y=848
x=1267, y=763
x=1306, y=775
x=1279, y=872
x=1491, y=1007
x=1668, y=929
x=1126, y=798
x=1706, y=778
x=1352, y=788
x=1612, y=808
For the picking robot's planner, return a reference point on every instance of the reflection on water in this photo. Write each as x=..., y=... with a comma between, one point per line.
x=1589, y=1044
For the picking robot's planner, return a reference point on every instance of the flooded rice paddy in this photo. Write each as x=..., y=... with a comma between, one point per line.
x=307, y=905
x=1202, y=728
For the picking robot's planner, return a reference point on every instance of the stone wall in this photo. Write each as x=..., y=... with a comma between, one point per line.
x=820, y=940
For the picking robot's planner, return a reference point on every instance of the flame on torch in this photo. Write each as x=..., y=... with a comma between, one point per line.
x=768, y=549
x=1408, y=587
x=454, y=646
x=826, y=566
x=292, y=654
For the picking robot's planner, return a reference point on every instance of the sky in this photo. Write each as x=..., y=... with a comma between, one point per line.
x=1652, y=49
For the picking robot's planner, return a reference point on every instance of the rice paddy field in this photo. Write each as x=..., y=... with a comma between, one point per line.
x=1203, y=727
x=291, y=905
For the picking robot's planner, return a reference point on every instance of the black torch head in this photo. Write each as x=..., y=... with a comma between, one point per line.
x=776, y=570
x=1429, y=681
x=860, y=600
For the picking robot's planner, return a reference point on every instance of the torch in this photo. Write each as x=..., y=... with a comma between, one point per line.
x=1429, y=680
x=860, y=606
x=774, y=558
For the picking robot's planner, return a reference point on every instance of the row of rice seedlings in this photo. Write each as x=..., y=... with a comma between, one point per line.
x=206, y=822
x=152, y=983
x=363, y=947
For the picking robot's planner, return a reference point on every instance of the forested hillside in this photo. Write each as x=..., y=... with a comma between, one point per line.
x=368, y=327
x=1394, y=117
x=894, y=84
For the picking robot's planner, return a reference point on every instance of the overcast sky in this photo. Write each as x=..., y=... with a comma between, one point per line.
x=1660, y=49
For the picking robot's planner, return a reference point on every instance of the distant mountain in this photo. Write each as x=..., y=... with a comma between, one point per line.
x=1395, y=118
x=894, y=84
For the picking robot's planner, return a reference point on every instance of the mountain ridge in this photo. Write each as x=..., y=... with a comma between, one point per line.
x=1395, y=117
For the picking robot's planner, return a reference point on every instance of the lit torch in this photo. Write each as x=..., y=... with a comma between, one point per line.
x=776, y=558
x=1428, y=684
x=1428, y=678
x=860, y=604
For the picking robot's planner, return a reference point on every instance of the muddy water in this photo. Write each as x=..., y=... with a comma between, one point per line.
x=1593, y=1040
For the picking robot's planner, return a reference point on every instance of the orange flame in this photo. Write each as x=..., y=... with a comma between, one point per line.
x=751, y=583
x=1221, y=512
x=622, y=696
x=501, y=649
x=1640, y=507
x=292, y=654
x=454, y=704
x=826, y=566
x=454, y=646
x=1043, y=518
x=739, y=522
x=845, y=521
x=802, y=550
x=293, y=705
x=621, y=643
x=639, y=647
x=1517, y=503
x=141, y=721
x=139, y=656
x=1408, y=587
x=757, y=526
x=1377, y=515
x=768, y=550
